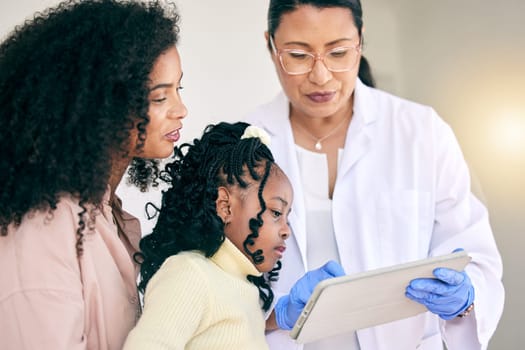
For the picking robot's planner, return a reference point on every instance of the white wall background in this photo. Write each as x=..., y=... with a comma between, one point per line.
x=465, y=58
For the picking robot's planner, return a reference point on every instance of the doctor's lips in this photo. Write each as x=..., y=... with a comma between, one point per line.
x=174, y=135
x=320, y=97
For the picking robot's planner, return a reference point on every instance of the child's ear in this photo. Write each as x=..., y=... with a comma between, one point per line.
x=223, y=205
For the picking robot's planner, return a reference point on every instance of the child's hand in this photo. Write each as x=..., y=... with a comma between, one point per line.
x=290, y=306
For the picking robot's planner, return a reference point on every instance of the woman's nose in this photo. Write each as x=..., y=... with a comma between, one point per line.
x=319, y=74
x=178, y=111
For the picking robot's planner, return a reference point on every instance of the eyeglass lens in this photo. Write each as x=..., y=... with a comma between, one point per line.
x=337, y=60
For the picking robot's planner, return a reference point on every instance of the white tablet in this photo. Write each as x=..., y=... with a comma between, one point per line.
x=343, y=304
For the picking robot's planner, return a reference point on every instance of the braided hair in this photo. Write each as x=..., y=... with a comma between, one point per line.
x=188, y=217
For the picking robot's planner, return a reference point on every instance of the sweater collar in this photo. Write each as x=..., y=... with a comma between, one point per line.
x=233, y=261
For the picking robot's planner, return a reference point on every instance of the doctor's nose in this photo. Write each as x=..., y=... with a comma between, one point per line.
x=319, y=74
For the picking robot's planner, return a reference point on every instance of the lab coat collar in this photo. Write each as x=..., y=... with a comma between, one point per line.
x=358, y=139
x=364, y=111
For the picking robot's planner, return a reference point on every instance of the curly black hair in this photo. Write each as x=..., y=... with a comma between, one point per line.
x=74, y=84
x=188, y=217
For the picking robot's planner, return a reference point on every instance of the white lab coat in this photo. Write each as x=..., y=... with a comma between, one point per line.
x=402, y=193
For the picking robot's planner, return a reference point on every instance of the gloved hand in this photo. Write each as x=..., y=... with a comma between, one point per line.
x=289, y=307
x=447, y=295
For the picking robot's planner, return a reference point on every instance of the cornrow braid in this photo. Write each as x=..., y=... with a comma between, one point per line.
x=188, y=217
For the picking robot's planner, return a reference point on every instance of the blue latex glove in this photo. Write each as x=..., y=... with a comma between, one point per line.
x=289, y=307
x=447, y=295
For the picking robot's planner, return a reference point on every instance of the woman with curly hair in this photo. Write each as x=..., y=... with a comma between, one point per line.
x=87, y=88
x=202, y=267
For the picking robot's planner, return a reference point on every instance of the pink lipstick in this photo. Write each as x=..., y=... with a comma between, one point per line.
x=173, y=136
x=321, y=97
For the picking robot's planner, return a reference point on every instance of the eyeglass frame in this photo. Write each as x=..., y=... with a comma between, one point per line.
x=316, y=56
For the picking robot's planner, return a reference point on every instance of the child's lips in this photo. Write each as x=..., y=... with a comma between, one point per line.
x=280, y=250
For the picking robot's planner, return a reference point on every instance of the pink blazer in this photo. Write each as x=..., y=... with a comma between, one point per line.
x=52, y=299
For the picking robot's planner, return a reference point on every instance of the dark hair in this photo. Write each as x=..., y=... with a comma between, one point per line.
x=278, y=8
x=188, y=217
x=74, y=83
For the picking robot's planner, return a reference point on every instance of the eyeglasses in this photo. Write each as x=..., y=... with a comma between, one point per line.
x=296, y=62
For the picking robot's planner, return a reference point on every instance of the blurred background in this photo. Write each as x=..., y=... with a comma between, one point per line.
x=464, y=58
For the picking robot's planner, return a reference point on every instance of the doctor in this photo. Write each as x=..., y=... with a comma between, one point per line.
x=378, y=181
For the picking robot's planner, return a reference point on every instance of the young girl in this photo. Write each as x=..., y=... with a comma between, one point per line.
x=86, y=88
x=222, y=224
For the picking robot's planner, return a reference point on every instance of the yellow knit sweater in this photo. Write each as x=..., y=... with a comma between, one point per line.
x=193, y=302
